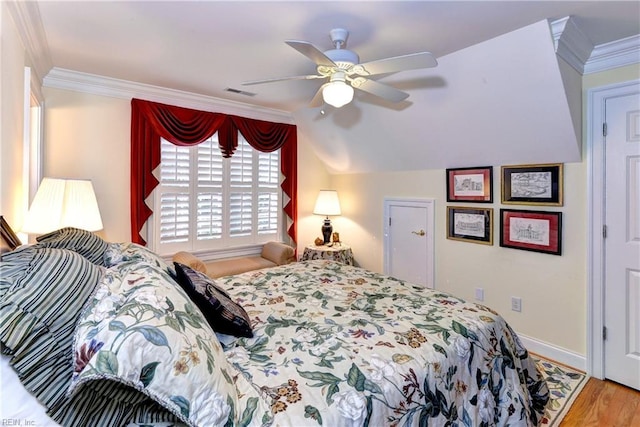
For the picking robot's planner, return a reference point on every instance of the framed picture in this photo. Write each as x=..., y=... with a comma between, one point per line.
x=532, y=184
x=536, y=231
x=470, y=184
x=470, y=224
x=9, y=238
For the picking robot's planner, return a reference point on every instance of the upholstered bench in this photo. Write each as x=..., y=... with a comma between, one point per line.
x=273, y=253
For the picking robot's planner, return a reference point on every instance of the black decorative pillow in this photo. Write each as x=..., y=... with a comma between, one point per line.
x=223, y=314
x=88, y=244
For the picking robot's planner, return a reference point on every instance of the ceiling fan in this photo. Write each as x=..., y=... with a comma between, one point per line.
x=344, y=72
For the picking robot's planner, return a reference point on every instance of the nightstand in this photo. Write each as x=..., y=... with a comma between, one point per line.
x=332, y=251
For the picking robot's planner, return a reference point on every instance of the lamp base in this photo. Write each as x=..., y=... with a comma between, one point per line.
x=327, y=229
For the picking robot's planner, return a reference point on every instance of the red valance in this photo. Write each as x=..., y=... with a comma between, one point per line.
x=151, y=121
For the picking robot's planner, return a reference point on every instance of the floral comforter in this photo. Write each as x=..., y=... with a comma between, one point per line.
x=141, y=343
x=336, y=345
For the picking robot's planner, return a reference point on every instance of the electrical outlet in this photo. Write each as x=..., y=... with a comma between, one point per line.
x=479, y=294
x=516, y=304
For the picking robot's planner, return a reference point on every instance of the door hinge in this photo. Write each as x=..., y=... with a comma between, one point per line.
x=604, y=332
x=604, y=129
x=604, y=231
x=389, y=221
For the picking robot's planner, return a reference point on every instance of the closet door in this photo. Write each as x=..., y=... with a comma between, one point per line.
x=408, y=240
x=622, y=242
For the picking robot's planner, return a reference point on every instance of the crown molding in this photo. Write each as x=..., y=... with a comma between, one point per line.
x=575, y=48
x=61, y=78
x=615, y=54
x=26, y=18
x=571, y=43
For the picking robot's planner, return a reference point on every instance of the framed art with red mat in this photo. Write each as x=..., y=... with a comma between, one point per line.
x=473, y=184
x=537, y=231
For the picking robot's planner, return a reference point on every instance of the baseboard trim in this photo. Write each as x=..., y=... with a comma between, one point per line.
x=550, y=351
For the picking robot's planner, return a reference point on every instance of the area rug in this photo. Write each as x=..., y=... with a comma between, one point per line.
x=564, y=384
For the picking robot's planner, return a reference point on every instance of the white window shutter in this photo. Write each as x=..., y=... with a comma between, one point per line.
x=174, y=199
x=205, y=201
x=209, y=219
x=210, y=170
x=174, y=217
x=240, y=214
x=174, y=165
x=241, y=165
x=269, y=207
x=268, y=169
x=268, y=213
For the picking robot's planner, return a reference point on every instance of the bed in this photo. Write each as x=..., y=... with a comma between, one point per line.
x=110, y=334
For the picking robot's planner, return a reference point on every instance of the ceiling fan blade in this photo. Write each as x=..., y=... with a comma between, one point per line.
x=379, y=89
x=412, y=61
x=318, y=100
x=311, y=52
x=279, y=79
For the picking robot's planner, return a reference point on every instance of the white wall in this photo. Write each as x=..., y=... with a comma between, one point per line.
x=88, y=137
x=312, y=177
x=12, y=63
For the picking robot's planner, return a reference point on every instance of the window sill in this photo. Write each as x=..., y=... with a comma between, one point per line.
x=216, y=254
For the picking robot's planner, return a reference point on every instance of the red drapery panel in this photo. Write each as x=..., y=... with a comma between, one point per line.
x=151, y=121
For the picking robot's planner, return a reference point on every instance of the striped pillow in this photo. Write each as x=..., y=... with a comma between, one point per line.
x=88, y=244
x=222, y=313
x=42, y=291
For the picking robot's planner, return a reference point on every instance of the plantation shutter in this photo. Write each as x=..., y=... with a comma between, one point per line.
x=207, y=201
x=209, y=192
x=174, y=199
x=240, y=197
x=268, y=200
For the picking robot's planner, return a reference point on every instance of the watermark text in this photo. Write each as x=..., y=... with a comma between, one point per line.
x=17, y=422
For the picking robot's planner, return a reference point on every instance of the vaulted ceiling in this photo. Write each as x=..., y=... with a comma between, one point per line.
x=499, y=94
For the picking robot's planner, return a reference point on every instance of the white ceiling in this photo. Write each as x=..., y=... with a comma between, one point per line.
x=204, y=47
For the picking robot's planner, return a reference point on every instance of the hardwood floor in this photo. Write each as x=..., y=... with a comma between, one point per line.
x=604, y=404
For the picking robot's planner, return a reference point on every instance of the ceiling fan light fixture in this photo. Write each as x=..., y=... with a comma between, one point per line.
x=345, y=72
x=337, y=93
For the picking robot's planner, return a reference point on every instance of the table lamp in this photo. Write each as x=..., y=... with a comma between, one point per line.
x=60, y=203
x=327, y=204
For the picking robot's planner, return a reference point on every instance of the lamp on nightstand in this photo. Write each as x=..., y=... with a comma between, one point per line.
x=327, y=204
x=62, y=203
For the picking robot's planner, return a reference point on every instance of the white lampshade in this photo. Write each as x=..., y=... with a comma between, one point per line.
x=327, y=203
x=337, y=93
x=63, y=203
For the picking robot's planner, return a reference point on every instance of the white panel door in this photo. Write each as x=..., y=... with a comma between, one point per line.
x=409, y=240
x=622, y=243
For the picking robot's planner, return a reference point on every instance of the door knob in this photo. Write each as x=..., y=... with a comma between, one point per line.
x=419, y=233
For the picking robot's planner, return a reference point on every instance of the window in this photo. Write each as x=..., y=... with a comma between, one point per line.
x=207, y=202
x=32, y=148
